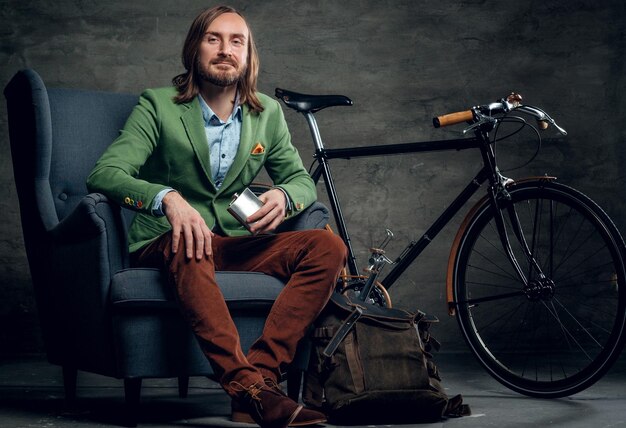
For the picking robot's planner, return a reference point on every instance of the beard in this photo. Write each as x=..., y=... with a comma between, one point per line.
x=218, y=77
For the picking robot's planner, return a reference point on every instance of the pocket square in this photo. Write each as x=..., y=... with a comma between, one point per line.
x=258, y=149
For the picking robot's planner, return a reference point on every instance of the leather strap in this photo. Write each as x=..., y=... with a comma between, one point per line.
x=354, y=364
x=342, y=332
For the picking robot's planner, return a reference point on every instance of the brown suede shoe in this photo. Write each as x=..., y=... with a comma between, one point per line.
x=268, y=406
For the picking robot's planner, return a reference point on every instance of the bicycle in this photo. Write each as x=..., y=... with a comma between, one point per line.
x=536, y=275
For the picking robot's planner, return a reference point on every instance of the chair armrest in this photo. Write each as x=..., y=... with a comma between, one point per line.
x=314, y=217
x=85, y=251
x=95, y=226
x=99, y=220
x=91, y=217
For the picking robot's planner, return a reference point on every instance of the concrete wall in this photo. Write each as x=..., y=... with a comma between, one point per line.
x=400, y=61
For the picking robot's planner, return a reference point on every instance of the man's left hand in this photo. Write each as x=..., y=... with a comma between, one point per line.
x=271, y=214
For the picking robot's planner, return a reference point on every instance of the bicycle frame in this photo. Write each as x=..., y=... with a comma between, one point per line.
x=549, y=330
x=489, y=172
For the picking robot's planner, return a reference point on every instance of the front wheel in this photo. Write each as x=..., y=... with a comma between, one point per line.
x=559, y=330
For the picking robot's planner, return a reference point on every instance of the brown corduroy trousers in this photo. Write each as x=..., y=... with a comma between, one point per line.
x=309, y=262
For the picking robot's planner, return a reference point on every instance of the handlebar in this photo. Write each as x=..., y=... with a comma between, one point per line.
x=480, y=115
x=453, y=118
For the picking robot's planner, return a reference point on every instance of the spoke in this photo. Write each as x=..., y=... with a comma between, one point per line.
x=551, y=244
x=578, y=284
x=496, y=322
x=561, y=228
x=573, y=235
x=526, y=357
x=551, y=358
x=489, y=260
x=595, y=309
x=495, y=297
x=509, y=349
x=575, y=269
x=564, y=329
x=536, y=226
x=496, y=247
x=486, y=284
x=508, y=276
x=598, y=267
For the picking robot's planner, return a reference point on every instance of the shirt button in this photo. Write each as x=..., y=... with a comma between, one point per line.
x=223, y=155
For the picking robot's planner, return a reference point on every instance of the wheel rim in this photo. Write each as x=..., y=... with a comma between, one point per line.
x=560, y=333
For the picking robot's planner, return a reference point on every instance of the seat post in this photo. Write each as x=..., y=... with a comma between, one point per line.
x=315, y=132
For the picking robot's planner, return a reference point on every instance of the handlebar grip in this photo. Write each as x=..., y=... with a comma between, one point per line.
x=453, y=118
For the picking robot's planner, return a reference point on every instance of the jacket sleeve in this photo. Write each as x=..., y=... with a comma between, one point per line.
x=115, y=173
x=285, y=167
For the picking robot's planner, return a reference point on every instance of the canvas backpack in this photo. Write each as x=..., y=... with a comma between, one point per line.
x=372, y=365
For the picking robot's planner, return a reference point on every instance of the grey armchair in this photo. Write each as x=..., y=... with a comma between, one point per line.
x=97, y=313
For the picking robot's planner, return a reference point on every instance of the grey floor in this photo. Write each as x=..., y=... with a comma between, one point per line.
x=31, y=395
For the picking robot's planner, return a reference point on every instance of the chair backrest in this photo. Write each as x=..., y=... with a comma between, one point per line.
x=56, y=137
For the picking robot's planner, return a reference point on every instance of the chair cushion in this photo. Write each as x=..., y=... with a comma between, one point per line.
x=148, y=288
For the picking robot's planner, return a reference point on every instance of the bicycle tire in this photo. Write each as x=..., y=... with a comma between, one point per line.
x=547, y=340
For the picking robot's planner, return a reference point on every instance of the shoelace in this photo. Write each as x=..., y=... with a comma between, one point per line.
x=253, y=391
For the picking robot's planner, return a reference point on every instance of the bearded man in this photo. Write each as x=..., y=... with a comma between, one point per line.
x=182, y=154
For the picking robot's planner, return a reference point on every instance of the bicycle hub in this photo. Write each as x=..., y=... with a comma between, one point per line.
x=539, y=289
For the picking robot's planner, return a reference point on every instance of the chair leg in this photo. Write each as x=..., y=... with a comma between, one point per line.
x=70, y=375
x=294, y=383
x=183, y=386
x=132, y=392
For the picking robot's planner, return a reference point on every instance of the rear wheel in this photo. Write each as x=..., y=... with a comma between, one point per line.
x=562, y=331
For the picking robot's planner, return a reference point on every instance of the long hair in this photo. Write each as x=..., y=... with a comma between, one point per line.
x=188, y=83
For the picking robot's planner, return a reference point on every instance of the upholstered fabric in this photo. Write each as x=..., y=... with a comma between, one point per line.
x=147, y=288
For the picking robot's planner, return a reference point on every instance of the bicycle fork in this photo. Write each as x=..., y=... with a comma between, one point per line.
x=499, y=196
x=534, y=289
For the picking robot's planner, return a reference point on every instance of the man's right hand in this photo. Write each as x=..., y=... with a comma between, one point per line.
x=188, y=222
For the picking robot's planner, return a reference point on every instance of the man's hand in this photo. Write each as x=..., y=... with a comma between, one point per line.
x=186, y=220
x=271, y=214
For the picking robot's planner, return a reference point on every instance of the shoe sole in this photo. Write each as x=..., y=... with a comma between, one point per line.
x=244, y=417
x=241, y=417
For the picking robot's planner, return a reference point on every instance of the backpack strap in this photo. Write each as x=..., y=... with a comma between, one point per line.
x=342, y=332
x=424, y=321
x=312, y=390
x=456, y=408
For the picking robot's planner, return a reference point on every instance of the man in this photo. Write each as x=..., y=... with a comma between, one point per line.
x=182, y=154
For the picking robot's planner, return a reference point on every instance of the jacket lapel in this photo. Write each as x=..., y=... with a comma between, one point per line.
x=248, y=134
x=194, y=127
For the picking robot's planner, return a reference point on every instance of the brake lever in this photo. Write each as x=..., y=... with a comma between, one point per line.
x=483, y=120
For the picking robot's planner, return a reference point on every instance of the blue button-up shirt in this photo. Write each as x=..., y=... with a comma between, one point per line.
x=223, y=139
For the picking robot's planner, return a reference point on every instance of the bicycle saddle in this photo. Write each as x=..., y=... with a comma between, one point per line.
x=311, y=103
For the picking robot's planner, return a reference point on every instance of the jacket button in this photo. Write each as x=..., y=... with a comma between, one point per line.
x=63, y=196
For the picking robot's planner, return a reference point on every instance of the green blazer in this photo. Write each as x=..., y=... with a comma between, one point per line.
x=163, y=144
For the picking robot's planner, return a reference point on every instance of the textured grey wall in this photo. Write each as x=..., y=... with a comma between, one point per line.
x=400, y=61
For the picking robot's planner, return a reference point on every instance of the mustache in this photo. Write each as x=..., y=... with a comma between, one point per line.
x=229, y=61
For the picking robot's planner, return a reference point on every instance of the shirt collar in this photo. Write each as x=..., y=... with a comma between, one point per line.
x=210, y=118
